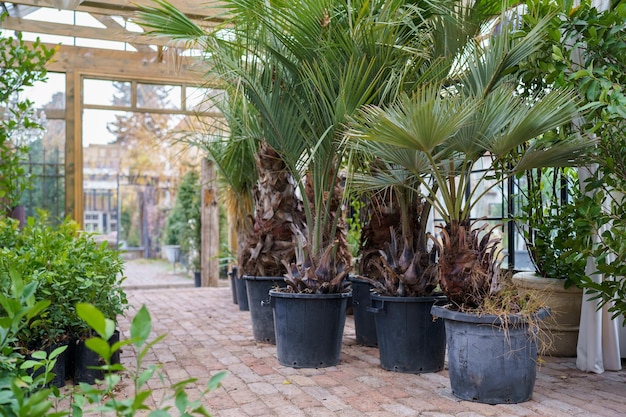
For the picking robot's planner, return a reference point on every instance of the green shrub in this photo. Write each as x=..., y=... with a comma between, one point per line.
x=69, y=267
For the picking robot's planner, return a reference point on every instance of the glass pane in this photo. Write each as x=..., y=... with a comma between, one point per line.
x=100, y=126
x=157, y=96
x=106, y=92
x=46, y=166
x=49, y=94
x=522, y=260
x=130, y=162
x=203, y=99
x=100, y=43
x=491, y=199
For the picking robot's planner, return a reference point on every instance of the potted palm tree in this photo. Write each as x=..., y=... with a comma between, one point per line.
x=400, y=264
x=303, y=67
x=442, y=132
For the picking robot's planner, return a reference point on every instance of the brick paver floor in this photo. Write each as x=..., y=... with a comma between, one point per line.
x=207, y=333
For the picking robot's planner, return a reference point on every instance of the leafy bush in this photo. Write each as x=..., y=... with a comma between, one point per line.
x=69, y=267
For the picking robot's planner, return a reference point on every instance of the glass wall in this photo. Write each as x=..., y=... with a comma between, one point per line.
x=134, y=153
x=46, y=159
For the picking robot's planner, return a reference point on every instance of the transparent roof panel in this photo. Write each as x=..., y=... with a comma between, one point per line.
x=102, y=44
x=67, y=17
x=130, y=26
x=55, y=39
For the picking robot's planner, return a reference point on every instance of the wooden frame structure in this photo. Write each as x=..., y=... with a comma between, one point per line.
x=150, y=61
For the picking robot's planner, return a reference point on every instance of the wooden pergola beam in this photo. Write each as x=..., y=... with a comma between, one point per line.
x=128, y=64
x=60, y=29
x=198, y=10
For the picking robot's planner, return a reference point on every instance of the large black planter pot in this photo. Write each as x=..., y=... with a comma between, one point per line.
x=364, y=321
x=197, y=279
x=309, y=328
x=242, y=294
x=258, y=289
x=409, y=339
x=489, y=364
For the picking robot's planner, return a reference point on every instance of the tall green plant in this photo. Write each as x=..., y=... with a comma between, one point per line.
x=22, y=65
x=304, y=67
x=443, y=130
x=184, y=226
x=588, y=53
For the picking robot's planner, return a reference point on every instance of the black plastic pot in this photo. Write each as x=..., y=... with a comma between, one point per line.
x=233, y=285
x=258, y=289
x=490, y=363
x=60, y=366
x=364, y=321
x=197, y=279
x=409, y=340
x=242, y=294
x=309, y=328
x=84, y=362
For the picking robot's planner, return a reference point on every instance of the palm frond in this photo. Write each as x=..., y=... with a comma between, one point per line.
x=165, y=20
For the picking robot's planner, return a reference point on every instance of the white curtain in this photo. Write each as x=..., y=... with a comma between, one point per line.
x=599, y=336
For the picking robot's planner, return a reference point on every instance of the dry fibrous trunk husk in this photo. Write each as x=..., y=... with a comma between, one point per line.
x=278, y=214
x=397, y=265
x=339, y=240
x=469, y=268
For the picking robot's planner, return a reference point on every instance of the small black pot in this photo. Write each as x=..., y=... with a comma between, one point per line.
x=60, y=368
x=84, y=360
x=197, y=279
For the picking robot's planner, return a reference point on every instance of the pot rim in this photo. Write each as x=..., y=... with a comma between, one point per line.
x=280, y=294
x=512, y=319
x=262, y=278
x=398, y=299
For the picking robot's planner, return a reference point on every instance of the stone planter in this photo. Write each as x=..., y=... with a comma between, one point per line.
x=558, y=335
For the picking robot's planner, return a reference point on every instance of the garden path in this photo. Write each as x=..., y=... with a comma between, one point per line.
x=207, y=333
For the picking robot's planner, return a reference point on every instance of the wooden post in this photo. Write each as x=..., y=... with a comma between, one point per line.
x=210, y=226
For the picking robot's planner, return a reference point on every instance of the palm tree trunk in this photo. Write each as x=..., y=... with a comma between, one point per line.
x=277, y=215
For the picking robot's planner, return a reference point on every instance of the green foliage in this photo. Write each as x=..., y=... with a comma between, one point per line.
x=23, y=390
x=354, y=227
x=22, y=65
x=183, y=226
x=105, y=398
x=68, y=266
x=549, y=225
x=587, y=51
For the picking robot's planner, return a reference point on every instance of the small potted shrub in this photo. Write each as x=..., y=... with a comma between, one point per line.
x=551, y=230
x=69, y=267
